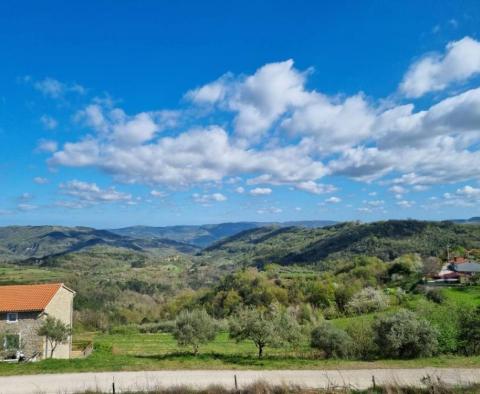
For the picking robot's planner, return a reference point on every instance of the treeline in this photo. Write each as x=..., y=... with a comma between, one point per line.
x=401, y=334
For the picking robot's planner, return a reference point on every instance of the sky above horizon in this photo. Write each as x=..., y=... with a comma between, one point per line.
x=117, y=113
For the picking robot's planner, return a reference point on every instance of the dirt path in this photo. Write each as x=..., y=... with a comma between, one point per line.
x=102, y=381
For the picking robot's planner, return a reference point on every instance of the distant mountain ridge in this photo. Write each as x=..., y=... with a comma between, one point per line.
x=207, y=234
x=24, y=242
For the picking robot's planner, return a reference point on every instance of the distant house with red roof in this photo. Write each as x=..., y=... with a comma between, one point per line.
x=23, y=308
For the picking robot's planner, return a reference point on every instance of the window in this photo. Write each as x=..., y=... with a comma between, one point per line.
x=12, y=317
x=11, y=342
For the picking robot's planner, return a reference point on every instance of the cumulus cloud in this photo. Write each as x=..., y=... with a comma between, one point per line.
x=261, y=191
x=47, y=146
x=89, y=194
x=48, y=122
x=40, y=180
x=405, y=203
x=55, y=89
x=279, y=132
x=25, y=207
x=435, y=72
x=333, y=200
x=158, y=194
x=206, y=199
x=240, y=190
x=269, y=210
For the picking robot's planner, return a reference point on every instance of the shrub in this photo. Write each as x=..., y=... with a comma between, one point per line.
x=366, y=301
x=193, y=328
x=363, y=345
x=404, y=335
x=331, y=340
x=469, y=336
x=435, y=295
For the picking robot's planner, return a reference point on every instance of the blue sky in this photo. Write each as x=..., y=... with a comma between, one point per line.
x=117, y=113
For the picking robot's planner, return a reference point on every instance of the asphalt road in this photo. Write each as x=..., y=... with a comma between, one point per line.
x=102, y=381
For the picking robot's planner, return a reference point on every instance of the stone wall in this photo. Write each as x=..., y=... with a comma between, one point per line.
x=26, y=326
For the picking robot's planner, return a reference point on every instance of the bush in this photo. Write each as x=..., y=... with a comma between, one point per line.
x=469, y=337
x=366, y=301
x=162, y=326
x=335, y=342
x=404, y=335
x=434, y=294
x=363, y=345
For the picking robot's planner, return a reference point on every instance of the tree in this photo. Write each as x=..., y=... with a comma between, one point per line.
x=193, y=328
x=366, y=301
x=55, y=331
x=469, y=336
x=255, y=325
x=333, y=341
x=404, y=335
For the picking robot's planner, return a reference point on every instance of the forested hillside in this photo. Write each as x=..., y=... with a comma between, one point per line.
x=385, y=240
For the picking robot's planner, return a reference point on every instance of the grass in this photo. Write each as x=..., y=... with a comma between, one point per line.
x=464, y=296
x=265, y=388
x=159, y=351
x=20, y=275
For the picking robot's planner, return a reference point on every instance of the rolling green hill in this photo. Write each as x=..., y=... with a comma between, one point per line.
x=386, y=240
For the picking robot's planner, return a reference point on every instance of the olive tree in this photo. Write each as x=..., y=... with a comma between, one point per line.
x=265, y=328
x=404, y=335
x=255, y=325
x=55, y=332
x=193, y=328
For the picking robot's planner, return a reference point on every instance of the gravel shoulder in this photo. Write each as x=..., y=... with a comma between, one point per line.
x=102, y=381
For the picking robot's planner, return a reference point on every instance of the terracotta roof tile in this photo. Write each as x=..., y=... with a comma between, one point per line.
x=27, y=298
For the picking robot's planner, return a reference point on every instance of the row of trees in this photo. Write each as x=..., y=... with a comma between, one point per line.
x=402, y=334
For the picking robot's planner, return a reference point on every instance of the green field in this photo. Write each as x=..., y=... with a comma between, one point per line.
x=21, y=275
x=159, y=351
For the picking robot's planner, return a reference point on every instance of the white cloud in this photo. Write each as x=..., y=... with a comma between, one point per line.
x=208, y=198
x=436, y=71
x=397, y=189
x=375, y=203
x=48, y=122
x=26, y=207
x=261, y=191
x=405, y=203
x=47, y=146
x=283, y=134
x=269, y=210
x=240, y=190
x=89, y=194
x=158, y=194
x=55, y=89
x=40, y=180
x=333, y=200
x=315, y=188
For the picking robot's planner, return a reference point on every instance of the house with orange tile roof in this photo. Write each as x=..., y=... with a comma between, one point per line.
x=23, y=308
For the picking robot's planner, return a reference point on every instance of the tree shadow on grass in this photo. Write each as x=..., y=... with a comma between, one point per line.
x=232, y=359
